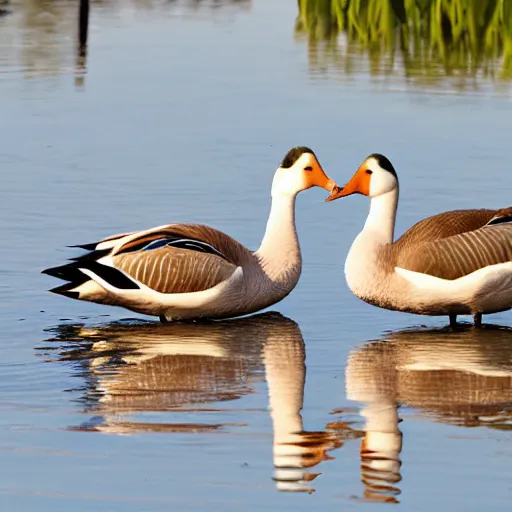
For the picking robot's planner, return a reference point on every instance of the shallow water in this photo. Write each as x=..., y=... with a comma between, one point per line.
x=180, y=112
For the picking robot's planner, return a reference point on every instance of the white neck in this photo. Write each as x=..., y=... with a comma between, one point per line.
x=363, y=265
x=382, y=216
x=279, y=251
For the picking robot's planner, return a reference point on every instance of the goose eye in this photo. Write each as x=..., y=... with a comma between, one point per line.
x=368, y=171
x=308, y=168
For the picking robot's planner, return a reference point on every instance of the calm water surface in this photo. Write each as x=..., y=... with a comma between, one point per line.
x=181, y=111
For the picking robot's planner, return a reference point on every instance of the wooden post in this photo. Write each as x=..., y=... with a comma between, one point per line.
x=83, y=25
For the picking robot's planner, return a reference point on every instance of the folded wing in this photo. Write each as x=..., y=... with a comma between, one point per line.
x=457, y=256
x=451, y=223
x=174, y=270
x=176, y=258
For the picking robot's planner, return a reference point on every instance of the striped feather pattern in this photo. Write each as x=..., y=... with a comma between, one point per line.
x=175, y=270
x=448, y=224
x=232, y=251
x=459, y=255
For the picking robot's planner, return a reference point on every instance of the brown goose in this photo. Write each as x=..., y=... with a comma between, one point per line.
x=455, y=263
x=186, y=271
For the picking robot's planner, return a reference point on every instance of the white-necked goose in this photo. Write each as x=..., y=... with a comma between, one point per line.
x=455, y=263
x=186, y=271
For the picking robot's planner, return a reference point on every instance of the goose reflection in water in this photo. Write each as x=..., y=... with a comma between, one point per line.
x=463, y=378
x=132, y=370
x=294, y=449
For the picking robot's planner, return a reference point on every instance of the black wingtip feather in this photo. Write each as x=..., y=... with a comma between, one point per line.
x=54, y=272
x=69, y=272
x=500, y=220
x=65, y=290
x=87, y=247
x=111, y=275
x=72, y=272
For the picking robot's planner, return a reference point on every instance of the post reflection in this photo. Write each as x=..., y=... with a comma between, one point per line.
x=461, y=44
x=197, y=370
x=462, y=378
x=48, y=38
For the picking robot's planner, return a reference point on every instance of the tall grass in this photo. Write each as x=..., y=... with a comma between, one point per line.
x=435, y=38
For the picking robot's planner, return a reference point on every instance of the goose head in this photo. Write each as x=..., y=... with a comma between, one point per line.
x=376, y=176
x=300, y=170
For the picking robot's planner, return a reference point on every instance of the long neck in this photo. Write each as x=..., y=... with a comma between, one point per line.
x=365, y=269
x=279, y=251
x=382, y=216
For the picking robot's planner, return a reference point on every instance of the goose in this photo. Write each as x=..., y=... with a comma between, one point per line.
x=454, y=263
x=192, y=271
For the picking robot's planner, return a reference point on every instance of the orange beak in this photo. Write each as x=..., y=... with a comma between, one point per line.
x=329, y=185
x=359, y=184
x=318, y=178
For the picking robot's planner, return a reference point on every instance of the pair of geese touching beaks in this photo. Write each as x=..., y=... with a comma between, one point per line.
x=454, y=263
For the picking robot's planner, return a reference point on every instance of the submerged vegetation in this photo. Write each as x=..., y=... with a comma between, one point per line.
x=434, y=39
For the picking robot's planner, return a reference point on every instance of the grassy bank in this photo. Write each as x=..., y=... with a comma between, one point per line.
x=434, y=38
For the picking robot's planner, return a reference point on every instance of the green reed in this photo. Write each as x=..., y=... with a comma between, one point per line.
x=435, y=38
